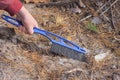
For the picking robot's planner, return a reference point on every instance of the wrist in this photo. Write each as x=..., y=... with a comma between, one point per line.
x=23, y=13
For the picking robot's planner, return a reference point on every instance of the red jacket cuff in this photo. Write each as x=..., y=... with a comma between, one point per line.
x=14, y=7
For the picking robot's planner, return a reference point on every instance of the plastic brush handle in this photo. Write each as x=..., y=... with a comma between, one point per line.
x=62, y=41
x=18, y=23
x=11, y=20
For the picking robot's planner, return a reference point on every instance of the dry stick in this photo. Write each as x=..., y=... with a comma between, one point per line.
x=61, y=3
x=106, y=18
x=102, y=14
x=86, y=17
x=108, y=7
x=101, y=8
x=112, y=21
x=116, y=38
x=77, y=69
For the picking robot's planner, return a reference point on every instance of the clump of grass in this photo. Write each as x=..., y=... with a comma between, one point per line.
x=59, y=19
x=93, y=27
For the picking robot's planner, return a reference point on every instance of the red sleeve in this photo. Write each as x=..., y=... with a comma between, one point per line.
x=11, y=6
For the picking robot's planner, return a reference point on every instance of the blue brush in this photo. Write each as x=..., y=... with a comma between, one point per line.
x=60, y=46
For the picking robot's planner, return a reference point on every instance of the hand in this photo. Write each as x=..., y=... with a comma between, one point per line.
x=28, y=21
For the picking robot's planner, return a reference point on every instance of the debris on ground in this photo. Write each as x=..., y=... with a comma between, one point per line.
x=95, y=26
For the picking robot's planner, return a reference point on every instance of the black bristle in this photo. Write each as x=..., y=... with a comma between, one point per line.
x=67, y=52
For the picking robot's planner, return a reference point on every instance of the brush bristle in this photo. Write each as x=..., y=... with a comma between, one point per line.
x=67, y=52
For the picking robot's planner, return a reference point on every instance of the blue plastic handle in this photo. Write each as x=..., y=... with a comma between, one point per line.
x=18, y=23
x=62, y=41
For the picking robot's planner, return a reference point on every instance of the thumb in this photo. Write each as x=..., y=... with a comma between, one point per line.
x=30, y=30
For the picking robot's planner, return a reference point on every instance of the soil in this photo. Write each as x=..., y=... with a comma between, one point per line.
x=27, y=57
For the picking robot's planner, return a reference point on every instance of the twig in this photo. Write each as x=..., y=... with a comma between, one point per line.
x=101, y=8
x=76, y=69
x=116, y=38
x=109, y=7
x=86, y=17
x=62, y=3
x=106, y=18
x=112, y=19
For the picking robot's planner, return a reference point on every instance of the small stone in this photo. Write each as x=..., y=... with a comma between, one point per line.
x=96, y=20
x=76, y=10
x=101, y=56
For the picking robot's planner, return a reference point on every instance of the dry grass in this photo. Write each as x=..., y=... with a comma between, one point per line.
x=46, y=67
x=59, y=19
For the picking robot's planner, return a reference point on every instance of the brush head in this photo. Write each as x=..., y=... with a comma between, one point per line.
x=67, y=52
